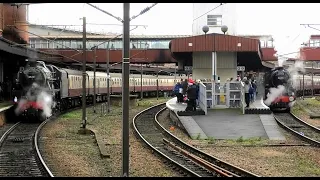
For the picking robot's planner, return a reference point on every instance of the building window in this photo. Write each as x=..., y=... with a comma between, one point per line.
x=269, y=44
x=31, y=43
x=66, y=44
x=59, y=45
x=214, y=20
x=79, y=45
x=73, y=44
x=317, y=43
x=262, y=44
x=312, y=43
x=51, y=44
x=44, y=44
x=37, y=43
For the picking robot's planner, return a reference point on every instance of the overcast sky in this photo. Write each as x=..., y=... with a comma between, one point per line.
x=280, y=20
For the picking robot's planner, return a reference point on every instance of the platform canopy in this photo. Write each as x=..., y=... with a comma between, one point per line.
x=248, y=50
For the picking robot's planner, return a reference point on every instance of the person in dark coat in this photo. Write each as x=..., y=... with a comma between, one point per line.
x=192, y=96
x=178, y=92
x=247, y=86
x=184, y=86
x=197, y=99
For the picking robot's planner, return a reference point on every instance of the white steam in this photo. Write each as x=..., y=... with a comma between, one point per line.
x=46, y=101
x=273, y=94
x=40, y=96
x=289, y=39
x=294, y=71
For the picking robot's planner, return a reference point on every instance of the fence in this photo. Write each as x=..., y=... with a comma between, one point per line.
x=203, y=98
x=223, y=95
x=243, y=102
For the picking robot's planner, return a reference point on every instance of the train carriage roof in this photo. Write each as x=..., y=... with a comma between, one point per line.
x=72, y=72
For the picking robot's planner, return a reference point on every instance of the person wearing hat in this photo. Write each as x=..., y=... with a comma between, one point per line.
x=192, y=96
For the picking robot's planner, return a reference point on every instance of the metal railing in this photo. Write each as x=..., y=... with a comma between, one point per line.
x=233, y=94
x=243, y=102
x=203, y=97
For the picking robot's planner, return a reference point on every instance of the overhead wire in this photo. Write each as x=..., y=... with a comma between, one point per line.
x=96, y=7
x=143, y=11
x=209, y=11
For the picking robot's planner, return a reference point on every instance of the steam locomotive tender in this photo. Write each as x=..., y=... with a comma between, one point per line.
x=274, y=79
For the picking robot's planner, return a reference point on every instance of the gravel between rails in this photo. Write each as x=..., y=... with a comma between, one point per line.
x=72, y=155
x=283, y=161
x=293, y=123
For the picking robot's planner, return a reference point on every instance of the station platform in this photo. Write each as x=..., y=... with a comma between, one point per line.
x=227, y=123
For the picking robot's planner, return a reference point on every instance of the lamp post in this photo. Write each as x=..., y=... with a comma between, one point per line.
x=94, y=79
x=175, y=73
x=108, y=77
x=312, y=93
x=125, y=89
x=157, y=83
x=141, y=95
x=141, y=92
x=84, y=98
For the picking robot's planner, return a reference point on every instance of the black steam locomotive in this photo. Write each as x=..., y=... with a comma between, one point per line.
x=279, y=91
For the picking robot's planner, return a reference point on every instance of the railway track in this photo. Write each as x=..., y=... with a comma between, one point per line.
x=299, y=128
x=19, y=152
x=189, y=160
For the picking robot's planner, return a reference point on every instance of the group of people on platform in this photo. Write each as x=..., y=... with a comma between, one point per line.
x=187, y=91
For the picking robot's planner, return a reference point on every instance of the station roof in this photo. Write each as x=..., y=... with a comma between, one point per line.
x=215, y=42
x=12, y=48
x=111, y=36
x=248, y=50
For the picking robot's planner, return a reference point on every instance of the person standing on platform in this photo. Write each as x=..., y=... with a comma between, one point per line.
x=192, y=96
x=198, y=91
x=255, y=90
x=246, y=91
x=178, y=92
x=184, y=87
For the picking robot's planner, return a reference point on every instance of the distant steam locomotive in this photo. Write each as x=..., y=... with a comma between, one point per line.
x=279, y=91
x=45, y=88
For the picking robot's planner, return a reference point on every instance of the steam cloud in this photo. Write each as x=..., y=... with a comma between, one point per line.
x=288, y=38
x=294, y=72
x=273, y=94
x=40, y=96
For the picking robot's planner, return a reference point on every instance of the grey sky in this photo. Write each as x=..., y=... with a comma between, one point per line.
x=176, y=18
x=280, y=20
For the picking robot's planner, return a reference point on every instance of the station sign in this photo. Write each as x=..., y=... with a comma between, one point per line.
x=241, y=68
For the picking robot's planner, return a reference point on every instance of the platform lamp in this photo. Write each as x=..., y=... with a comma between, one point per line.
x=224, y=29
x=205, y=29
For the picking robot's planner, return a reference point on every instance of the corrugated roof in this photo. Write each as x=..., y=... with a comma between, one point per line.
x=112, y=36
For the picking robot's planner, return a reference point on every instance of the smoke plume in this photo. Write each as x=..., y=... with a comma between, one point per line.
x=288, y=41
x=39, y=95
x=273, y=94
x=294, y=71
x=46, y=100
